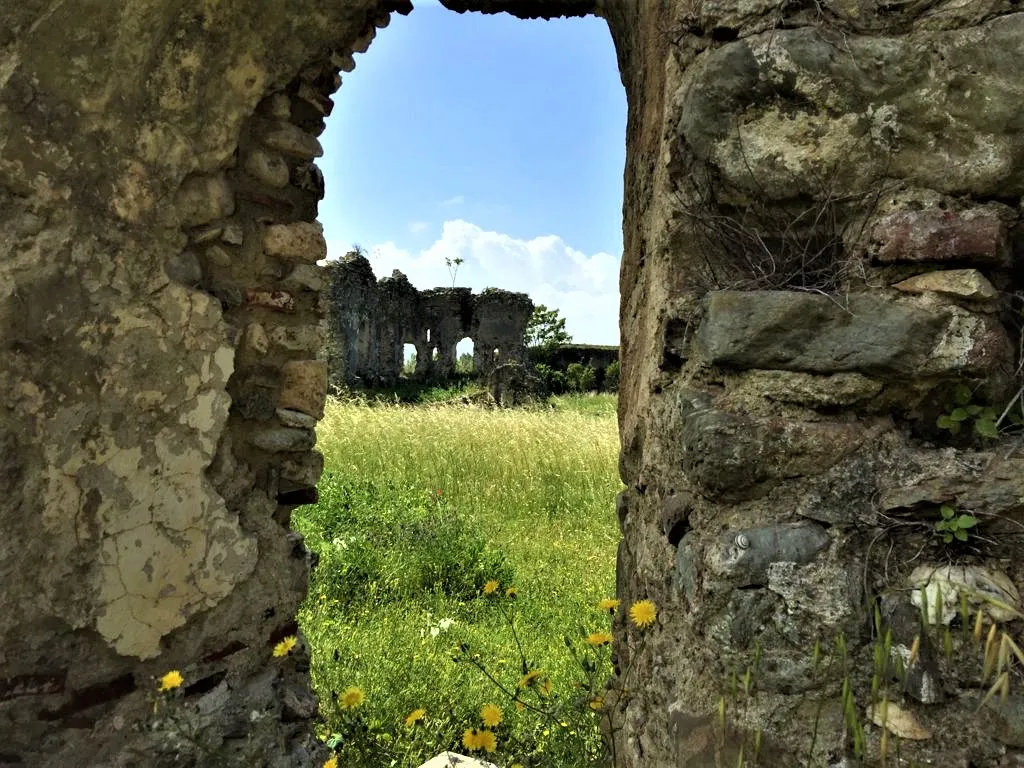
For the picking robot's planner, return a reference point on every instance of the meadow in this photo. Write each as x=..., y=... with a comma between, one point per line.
x=463, y=551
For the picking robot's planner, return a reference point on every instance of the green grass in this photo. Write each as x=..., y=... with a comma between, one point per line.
x=420, y=507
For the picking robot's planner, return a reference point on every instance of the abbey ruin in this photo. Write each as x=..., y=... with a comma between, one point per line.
x=824, y=248
x=371, y=321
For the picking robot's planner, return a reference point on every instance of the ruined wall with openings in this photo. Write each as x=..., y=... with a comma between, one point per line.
x=371, y=321
x=823, y=252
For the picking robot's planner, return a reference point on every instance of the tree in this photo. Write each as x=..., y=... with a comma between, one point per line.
x=546, y=329
x=453, y=266
x=465, y=363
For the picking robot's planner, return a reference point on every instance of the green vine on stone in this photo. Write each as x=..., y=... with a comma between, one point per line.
x=954, y=526
x=982, y=417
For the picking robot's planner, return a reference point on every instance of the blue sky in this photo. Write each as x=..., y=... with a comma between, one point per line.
x=488, y=138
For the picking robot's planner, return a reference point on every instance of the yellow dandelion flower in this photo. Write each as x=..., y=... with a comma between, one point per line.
x=285, y=646
x=471, y=739
x=490, y=587
x=352, y=697
x=415, y=716
x=511, y=593
x=520, y=706
x=487, y=741
x=332, y=763
x=545, y=687
x=490, y=714
x=599, y=638
x=608, y=604
x=530, y=678
x=171, y=680
x=643, y=613
x=597, y=703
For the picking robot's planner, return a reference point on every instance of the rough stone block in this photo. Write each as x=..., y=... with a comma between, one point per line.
x=307, y=276
x=184, y=268
x=831, y=592
x=922, y=680
x=977, y=234
x=343, y=61
x=734, y=455
x=205, y=235
x=267, y=167
x=301, y=471
x=304, y=387
x=301, y=339
x=292, y=418
x=745, y=556
x=874, y=335
x=233, y=234
x=217, y=256
x=293, y=141
x=284, y=439
x=804, y=389
x=255, y=339
x=1006, y=717
x=960, y=283
x=202, y=199
x=301, y=242
x=279, y=301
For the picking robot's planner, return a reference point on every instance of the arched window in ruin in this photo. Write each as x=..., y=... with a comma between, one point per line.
x=464, y=360
x=408, y=359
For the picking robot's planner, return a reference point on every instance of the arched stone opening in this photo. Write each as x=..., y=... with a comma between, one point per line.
x=187, y=357
x=464, y=356
x=162, y=319
x=409, y=359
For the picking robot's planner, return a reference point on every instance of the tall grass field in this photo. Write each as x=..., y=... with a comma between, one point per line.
x=463, y=554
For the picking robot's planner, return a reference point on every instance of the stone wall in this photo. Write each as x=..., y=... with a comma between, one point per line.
x=371, y=321
x=822, y=241
x=824, y=257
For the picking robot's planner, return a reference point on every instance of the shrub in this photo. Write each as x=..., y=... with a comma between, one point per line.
x=580, y=378
x=553, y=379
x=386, y=546
x=611, y=377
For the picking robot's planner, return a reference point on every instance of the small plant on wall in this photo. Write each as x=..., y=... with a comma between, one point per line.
x=954, y=526
x=981, y=418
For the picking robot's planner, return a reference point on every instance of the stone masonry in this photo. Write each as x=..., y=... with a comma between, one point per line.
x=371, y=321
x=824, y=251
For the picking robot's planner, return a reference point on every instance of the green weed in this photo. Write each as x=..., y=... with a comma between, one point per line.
x=421, y=507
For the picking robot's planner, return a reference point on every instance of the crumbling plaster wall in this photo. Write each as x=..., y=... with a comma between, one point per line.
x=163, y=326
x=370, y=322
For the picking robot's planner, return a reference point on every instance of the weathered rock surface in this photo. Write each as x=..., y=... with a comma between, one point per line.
x=868, y=334
x=864, y=105
x=960, y=283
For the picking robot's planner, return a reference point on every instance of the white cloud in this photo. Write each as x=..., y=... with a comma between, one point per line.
x=584, y=288
x=417, y=227
x=451, y=202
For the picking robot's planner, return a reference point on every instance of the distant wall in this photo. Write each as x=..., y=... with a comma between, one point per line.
x=371, y=321
x=597, y=356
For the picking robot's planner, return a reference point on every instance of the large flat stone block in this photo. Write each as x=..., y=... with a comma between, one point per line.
x=868, y=333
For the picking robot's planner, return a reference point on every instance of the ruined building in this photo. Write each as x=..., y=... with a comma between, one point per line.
x=824, y=260
x=371, y=321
